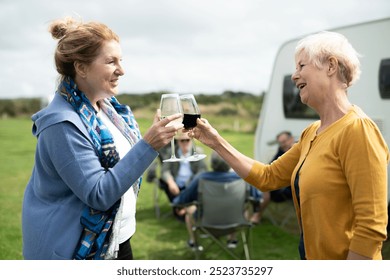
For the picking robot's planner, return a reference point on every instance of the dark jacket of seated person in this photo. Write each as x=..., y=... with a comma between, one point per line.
x=175, y=176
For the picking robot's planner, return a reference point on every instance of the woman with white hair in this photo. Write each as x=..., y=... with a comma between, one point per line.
x=337, y=169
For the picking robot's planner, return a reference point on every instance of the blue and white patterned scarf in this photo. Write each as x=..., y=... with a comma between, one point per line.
x=98, y=225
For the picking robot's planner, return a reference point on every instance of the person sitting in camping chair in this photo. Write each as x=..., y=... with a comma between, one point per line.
x=221, y=172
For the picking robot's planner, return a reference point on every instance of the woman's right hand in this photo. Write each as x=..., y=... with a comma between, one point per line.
x=209, y=136
x=159, y=134
x=205, y=133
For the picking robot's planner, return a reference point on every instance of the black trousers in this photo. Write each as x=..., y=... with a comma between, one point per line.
x=125, y=251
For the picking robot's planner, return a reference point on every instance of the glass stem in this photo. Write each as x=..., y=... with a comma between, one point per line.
x=194, y=147
x=173, y=148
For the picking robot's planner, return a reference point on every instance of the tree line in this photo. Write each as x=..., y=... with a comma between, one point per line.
x=25, y=107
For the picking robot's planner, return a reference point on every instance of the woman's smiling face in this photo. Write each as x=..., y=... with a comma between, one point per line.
x=102, y=75
x=309, y=79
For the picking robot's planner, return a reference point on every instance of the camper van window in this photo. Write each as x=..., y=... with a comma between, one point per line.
x=384, y=78
x=292, y=105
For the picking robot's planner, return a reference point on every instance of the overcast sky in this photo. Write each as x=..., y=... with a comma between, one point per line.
x=193, y=46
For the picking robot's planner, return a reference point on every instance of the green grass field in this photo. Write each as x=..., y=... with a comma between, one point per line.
x=155, y=239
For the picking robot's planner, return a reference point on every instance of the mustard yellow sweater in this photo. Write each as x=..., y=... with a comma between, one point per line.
x=343, y=186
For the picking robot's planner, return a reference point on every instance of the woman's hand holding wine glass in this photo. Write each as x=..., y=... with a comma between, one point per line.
x=160, y=133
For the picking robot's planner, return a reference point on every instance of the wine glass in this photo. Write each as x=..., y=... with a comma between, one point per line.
x=191, y=113
x=170, y=105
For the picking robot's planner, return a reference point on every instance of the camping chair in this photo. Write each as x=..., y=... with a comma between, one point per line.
x=220, y=212
x=159, y=198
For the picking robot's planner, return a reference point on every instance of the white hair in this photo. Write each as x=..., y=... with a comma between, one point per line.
x=320, y=46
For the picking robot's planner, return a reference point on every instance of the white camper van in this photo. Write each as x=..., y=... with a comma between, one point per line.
x=283, y=110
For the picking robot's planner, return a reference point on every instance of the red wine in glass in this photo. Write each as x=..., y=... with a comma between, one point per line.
x=189, y=120
x=191, y=113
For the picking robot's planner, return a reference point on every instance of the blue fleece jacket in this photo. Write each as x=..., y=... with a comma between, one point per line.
x=66, y=177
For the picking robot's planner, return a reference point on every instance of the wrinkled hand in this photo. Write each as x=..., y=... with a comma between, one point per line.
x=204, y=132
x=159, y=135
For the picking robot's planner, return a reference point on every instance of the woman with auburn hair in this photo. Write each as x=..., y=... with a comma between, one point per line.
x=80, y=201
